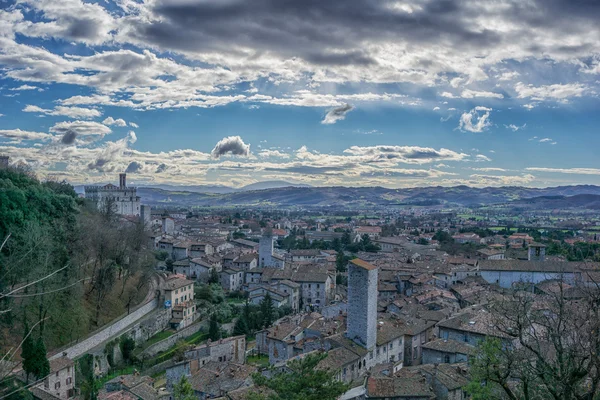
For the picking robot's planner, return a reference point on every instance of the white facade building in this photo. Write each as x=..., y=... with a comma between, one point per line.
x=123, y=199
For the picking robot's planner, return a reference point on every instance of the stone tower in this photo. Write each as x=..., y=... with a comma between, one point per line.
x=362, y=303
x=265, y=250
x=122, y=181
x=536, y=252
x=4, y=161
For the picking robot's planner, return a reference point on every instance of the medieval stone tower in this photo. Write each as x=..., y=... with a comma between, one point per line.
x=362, y=303
x=536, y=252
x=265, y=250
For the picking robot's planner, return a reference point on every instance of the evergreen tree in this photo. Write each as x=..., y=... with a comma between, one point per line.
x=183, y=390
x=267, y=309
x=346, y=239
x=214, y=276
x=340, y=262
x=41, y=367
x=28, y=351
x=302, y=381
x=241, y=326
x=214, y=330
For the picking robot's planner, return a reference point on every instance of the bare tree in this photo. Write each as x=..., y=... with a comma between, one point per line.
x=552, y=350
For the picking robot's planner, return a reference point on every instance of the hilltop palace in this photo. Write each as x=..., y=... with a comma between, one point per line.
x=124, y=199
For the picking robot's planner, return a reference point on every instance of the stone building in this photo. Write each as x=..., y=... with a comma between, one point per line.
x=231, y=279
x=60, y=383
x=446, y=351
x=536, y=252
x=507, y=273
x=362, y=303
x=232, y=349
x=123, y=199
x=179, y=297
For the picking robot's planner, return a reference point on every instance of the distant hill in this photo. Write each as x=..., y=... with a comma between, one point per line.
x=585, y=201
x=220, y=189
x=270, y=185
x=366, y=196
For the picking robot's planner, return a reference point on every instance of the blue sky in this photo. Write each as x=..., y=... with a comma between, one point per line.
x=390, y=93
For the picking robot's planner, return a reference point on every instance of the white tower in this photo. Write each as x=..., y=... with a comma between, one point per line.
x=362, y=303
x=265, y=250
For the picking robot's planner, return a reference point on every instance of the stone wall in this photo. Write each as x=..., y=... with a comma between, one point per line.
x=113, y=330
x=169, y=342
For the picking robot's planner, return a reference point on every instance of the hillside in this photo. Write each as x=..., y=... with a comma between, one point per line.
x=356, y=197
x=584, y=201
x=89, y=267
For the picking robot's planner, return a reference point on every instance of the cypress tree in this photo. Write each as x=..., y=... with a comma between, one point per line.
x=214, y=331
x=41, y=363
x=28, y=351
x=267, y=309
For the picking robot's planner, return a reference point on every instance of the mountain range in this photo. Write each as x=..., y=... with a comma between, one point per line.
x=288, y=196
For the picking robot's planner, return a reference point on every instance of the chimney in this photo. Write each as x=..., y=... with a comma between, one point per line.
x=122, y=181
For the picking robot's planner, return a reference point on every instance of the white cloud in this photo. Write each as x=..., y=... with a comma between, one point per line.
x=233, y=145
x=514, y=127
x=470, y=94
x=273, y=153
x=561, y=92
x=508, y=76
x=474, y=121
x=27, y=87
x=490, y=169
x=404, y=154
x=18, y=135
x=337, y=114
x=481, y=157
x=71, y=112
x=448, y=95
x=116, y=122
x=86, y=131
x=576, y=171
x=133, y=124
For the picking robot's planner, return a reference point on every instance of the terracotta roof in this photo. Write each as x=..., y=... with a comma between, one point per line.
x=363, y=264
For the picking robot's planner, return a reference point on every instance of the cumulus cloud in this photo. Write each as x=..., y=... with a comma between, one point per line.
x=18, y=135
x=68, y=137
x=273, y=153
x=405, y=154
x=111, y=152
x=88, y=129
x=469, y=94
x=561, y=92
x=134, y=125
x=233, y=145
x=133, y=167
x=116, y=122
x=161, y=168
x=337, y=114
x=476, y=120
x=71, y=112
